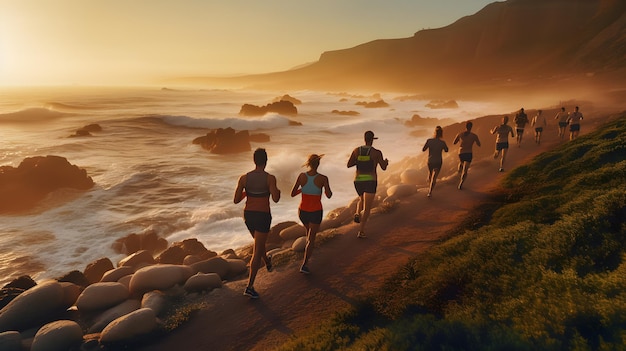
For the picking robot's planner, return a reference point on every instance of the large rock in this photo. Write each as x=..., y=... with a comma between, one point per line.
x=74, y=277
x=95, y=270
x=159, y=277
x=282, y=107
x=22, y=188
x=401, y=190
x=274, y=236
x=129, y=327
x=138, y=259
x=113, y=313
x=176, y=253
x=225, y=141
x=36, y=305
x=203, y=282
x=117, y=273
x=10, y=341
x=133, y=242
x=100, y=296
x=154, y=300
x=14, y=288
x=299, y=244
x=236, y=267
x=212, y=265
x=60, y=335
x=293, y=232
x=412, y=176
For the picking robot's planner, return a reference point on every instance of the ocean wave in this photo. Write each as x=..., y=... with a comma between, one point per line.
x=269, y=121
x=32, y=115
x=64, y=106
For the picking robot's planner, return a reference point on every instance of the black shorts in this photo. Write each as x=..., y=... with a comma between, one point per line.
x=562, y=124
x=574, y=127
x=367, y=186
x=502, y=146
x=520, y=130
x=433, y=166
x=257, y=221
x=466, y=157
x=307, y=217
x=539, y=130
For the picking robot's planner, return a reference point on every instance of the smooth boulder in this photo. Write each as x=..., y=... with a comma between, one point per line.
x=39, y=303
x=203, y=282
x=101, y=296
x=129, y=327
x=159, y=277
x=59, y=335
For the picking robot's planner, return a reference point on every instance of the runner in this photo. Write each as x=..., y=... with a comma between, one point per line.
x=467, y=139
x=435, y=147
x=257, y=186
x=502, y=140
x=366, y=158
x=310, y=185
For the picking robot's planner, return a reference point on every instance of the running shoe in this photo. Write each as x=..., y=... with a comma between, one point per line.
x=357, y=218
x=251, y=293
x=305, y=270
x=361, y=235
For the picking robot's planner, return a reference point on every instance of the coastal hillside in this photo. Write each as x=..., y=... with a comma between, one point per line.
x=508, y=44
x=544, y=270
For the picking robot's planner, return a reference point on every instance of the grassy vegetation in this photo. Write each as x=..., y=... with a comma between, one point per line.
x=546, y=272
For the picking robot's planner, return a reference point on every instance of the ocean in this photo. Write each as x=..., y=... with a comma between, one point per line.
x=149, y=175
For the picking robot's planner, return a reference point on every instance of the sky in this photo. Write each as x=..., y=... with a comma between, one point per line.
x=132, y=42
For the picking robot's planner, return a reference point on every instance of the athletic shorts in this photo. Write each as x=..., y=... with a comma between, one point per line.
x=257, y=221
x=520, y=130
x=562, y=124
x=574, y=128
x=539, y=130
x=307, y=217
x=367, y=186
x=502, y=146
x=465, y=157
x=433, y=166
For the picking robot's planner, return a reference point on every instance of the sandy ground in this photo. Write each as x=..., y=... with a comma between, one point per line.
x=346, y=268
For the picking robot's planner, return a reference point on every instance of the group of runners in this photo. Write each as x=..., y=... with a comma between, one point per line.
x=258, y=186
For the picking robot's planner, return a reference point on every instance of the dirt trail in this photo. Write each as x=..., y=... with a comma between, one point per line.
x=345, y=268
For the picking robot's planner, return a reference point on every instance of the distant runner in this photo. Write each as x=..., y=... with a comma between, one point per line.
x=502, y=140
x=520, y=120
x=574, y=123
x=435, y=147
x=539, y=121
x=467, y=139
x=561, y=116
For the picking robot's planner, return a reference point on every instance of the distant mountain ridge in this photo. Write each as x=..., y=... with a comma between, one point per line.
x=515, y=40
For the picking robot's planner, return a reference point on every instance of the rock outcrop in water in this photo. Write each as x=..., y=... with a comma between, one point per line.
x=229, y=141
x=282, y=107
x=22, y=188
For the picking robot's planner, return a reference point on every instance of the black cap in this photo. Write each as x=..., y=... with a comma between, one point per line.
x=369, y=135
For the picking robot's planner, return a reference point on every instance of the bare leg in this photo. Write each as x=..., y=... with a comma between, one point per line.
x=258, y=254
x=433, y=180
x=312, y=229
x=466, y=166
x=504, y=152
x=368, y=199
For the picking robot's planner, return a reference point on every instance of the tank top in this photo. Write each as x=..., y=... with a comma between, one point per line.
x=311, y=195
x=257, y=192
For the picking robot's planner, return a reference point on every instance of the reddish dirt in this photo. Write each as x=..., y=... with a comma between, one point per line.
x=345, y=268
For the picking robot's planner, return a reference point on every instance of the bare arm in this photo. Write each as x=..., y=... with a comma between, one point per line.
x=477, y=141
x=239, y=193
x=457, y=138
x=425, y=146
x=352, y=159
x=383, y=162
x=326, y=185
x=273, y=188
x=296, y=186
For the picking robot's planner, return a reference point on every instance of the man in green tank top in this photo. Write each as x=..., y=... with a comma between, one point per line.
x=366, y=158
